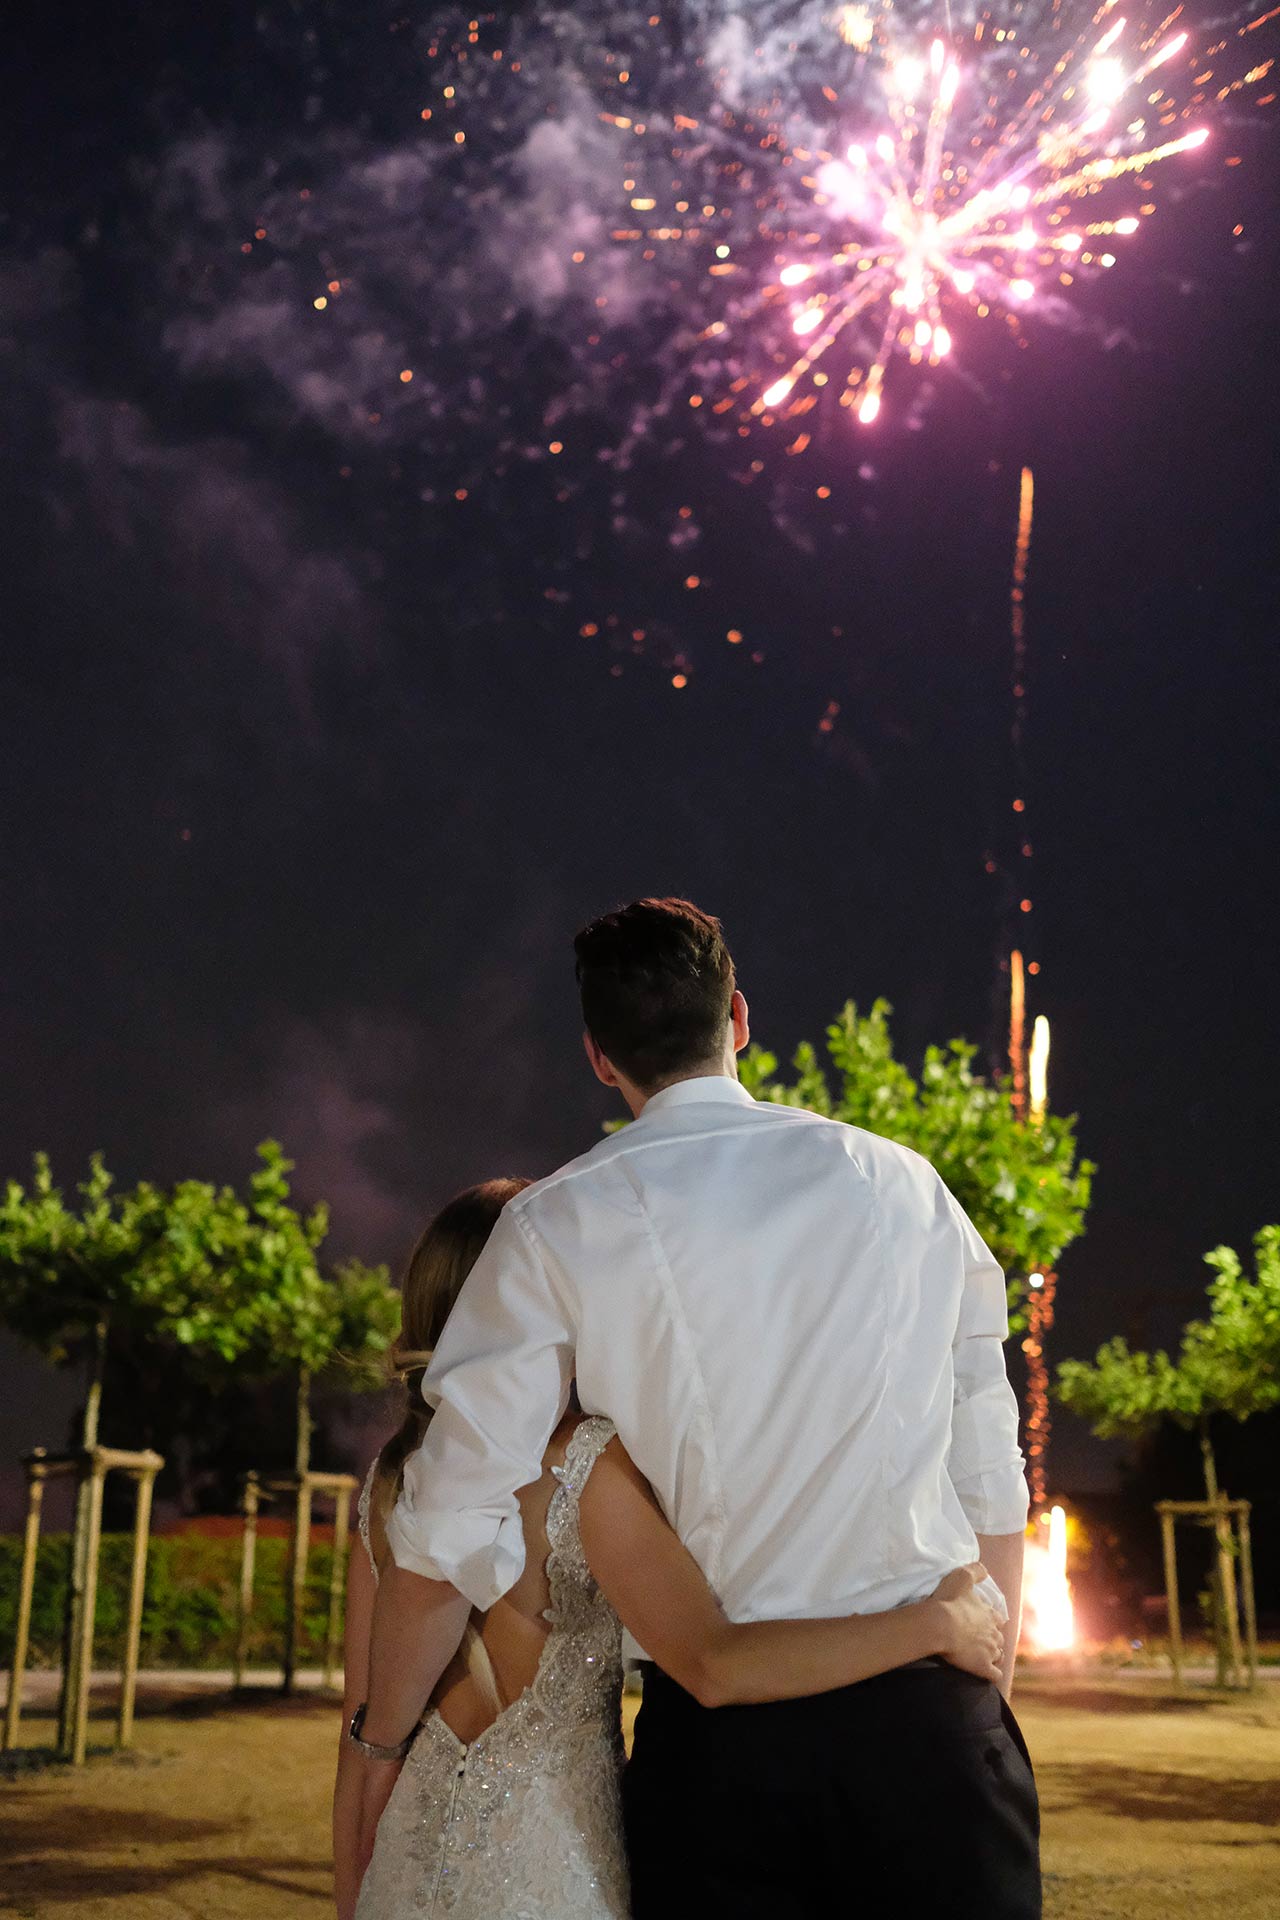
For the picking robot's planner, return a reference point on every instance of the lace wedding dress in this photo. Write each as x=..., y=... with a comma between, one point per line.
x=525, y=1823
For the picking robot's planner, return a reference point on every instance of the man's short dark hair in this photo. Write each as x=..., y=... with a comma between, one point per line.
x=656, y=981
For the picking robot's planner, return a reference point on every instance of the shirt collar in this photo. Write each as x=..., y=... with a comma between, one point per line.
x=708, y=1087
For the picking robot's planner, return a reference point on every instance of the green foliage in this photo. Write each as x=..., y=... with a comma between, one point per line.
x=1121, y=1392
x=1023, y=1187
x=1244, y=1312
x=191, y=1602
x=367, y=1315
x=219, y=1280
x=1227, y=1364
x=64, y=1270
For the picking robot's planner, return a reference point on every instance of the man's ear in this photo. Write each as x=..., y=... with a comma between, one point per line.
x=741, y=1022
x=599, y=1064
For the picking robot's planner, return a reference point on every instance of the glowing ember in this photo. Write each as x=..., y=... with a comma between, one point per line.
x=1049, y=1621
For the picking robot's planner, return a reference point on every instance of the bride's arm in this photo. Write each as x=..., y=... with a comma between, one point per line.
x=348, y=1786
x=662, y=1598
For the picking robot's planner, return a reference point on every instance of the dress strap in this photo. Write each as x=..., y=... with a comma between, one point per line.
x=566, y=1559
x=362, y=1513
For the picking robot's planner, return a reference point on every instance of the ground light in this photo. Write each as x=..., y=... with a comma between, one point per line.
x=1049, y=1623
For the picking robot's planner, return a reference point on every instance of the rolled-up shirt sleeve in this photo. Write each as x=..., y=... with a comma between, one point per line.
x=985, y=1461
x=499, y=1384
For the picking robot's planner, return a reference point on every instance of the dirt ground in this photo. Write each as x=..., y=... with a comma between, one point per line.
x=1154, y=1808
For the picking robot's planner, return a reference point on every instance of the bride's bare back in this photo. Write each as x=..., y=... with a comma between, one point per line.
x=482, y=1679
x=507, y=1804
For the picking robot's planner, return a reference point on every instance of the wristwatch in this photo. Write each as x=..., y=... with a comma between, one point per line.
x=370, y=1748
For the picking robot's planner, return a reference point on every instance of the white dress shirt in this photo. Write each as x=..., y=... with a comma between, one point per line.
x=795, y=1329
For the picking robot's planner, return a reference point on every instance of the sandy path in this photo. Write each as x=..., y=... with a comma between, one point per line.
x=1153, y=1809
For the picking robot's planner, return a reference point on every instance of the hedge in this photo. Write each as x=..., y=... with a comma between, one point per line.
x=189, y=1618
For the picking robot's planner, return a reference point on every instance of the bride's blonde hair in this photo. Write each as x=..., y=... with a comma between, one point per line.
x=444, y=1256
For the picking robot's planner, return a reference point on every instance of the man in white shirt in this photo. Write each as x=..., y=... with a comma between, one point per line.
x=799, y=1337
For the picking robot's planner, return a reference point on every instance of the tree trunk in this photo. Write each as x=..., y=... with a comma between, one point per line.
x=300, y=1539
x=1226, y=1621
x=302, y=1446
x=93, y=1393
x=72, y=1631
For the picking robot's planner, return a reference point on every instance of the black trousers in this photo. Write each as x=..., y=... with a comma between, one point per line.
x=907, y=1797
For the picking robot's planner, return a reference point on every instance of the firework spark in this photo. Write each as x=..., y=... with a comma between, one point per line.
x=947, y=183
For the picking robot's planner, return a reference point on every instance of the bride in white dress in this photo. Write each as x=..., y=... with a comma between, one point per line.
x=507, y=1807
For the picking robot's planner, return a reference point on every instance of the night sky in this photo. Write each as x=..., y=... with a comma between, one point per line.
x=309, y=770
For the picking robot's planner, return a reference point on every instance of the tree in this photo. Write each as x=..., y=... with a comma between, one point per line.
x=294, y=1320
x=73, y=1279
x=1227, y=1365
x=216, y=1283
x=1023, y=1187
x=199, y=1273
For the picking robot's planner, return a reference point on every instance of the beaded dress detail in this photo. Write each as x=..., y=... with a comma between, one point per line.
x=525, y=1823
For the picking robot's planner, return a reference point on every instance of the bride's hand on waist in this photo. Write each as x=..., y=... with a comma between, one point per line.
x=970, y=1634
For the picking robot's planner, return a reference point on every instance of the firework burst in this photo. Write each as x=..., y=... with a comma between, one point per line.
x=945, y=181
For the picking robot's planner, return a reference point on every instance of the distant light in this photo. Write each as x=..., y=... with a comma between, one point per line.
x=1038, y=1069
x=1050, y=1616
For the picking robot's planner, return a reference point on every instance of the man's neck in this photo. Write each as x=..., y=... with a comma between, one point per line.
x=710, y=1070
